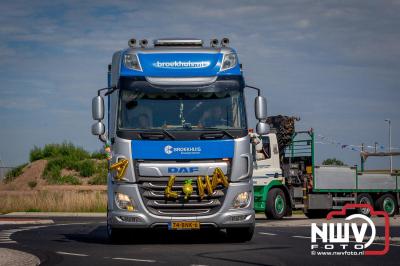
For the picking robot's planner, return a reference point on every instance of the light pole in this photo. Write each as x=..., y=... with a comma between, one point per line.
x=390, y=143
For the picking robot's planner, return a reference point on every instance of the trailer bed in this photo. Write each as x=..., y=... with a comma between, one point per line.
x=348, y=179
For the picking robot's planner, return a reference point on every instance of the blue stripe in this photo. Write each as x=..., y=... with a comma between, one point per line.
x=194, y=149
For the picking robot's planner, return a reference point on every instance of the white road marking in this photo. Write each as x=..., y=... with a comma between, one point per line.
x=268, y=234
x=130, y=259
x=71, y=254
x=5, y=236
x=71, y=224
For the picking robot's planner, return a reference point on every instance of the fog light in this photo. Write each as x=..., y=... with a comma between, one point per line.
x=124, y=202
x=241, y=200
x=128, y=219
x=239, y=218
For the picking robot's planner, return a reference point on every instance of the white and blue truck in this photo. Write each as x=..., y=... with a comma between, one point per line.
x=178, y=134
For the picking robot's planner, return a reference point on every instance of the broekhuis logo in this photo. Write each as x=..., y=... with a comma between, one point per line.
x=353, y=237
x=182, y=150
x=182, y=64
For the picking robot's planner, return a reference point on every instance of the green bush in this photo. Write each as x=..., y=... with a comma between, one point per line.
x=66, y=149
x=36, y=154
x=100, y=177
x=32, y=184
x=99, y=155
x=68, y=156
x=66, y=179
x=17, y=171
x=53, y=168
x=98, y=180
x=86, y=168
x=333, y=161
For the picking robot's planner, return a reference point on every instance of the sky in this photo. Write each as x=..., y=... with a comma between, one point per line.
x=335, y=64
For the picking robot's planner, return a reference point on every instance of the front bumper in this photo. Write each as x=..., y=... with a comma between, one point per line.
x=226, y=217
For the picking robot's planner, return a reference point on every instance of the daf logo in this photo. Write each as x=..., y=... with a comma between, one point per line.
x=182, y=170
x=168, y=149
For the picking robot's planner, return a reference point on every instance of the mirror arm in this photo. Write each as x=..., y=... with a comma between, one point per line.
x=103, y=138
x=108, y=89
x=254, y=88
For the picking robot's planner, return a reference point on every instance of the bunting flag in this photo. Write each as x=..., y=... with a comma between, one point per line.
x=328, y=140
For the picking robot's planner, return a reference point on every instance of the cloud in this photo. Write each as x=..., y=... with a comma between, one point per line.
x=333, y=63
x=22, y=104
x=303, y=23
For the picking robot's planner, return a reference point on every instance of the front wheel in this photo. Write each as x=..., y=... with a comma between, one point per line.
x=387, y=203
x=115, y=234
x=276, y=206
x=240, y=234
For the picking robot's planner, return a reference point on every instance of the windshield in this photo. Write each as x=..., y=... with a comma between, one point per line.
x=177, y=111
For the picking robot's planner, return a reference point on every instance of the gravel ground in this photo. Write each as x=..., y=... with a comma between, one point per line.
x=17, y=258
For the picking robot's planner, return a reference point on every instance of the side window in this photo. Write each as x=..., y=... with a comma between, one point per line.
x=266, y=147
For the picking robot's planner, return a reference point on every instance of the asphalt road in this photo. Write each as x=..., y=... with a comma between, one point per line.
x=83, y=241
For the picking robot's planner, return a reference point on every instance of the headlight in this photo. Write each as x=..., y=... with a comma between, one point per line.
x=229, y=61
x=124, y=202
x=131, y=61
x=242, y=200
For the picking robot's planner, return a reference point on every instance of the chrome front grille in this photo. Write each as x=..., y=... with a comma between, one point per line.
x=152, y=192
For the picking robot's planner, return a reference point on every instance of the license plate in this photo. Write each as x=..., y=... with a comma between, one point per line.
x=184, y=225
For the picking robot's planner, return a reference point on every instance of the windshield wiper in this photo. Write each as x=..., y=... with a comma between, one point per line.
x=157, y=135
x=215, y=134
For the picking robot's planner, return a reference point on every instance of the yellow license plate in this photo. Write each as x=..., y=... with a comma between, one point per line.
x=184, y=225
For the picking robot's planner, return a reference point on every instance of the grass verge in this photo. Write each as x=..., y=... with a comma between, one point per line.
x=53, y=201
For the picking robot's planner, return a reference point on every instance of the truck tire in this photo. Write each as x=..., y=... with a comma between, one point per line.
x=387, y=203
x=365, y=198
x=316, y=214
x=276, y=206
x=114, y=234
x=240, y=234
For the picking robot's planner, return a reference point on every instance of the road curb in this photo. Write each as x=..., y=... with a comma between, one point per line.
x=11, y=220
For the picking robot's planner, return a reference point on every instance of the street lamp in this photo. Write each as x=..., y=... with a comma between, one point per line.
x=390, y=143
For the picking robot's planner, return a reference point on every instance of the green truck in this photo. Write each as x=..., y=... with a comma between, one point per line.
x=285, y=178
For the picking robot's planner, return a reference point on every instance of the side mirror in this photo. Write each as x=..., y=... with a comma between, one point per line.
x=98, y=129
x=97, y=108
x=262, y=128
x=260, y=107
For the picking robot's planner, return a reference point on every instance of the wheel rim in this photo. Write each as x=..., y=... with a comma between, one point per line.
x=279, y=204
x=365, y=200
x=388, y=205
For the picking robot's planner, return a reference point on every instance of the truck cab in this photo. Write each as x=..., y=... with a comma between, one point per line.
x=177, y=130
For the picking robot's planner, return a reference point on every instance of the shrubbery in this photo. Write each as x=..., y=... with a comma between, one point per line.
x=65, y=149
x=17, y=171
x=67, y=156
